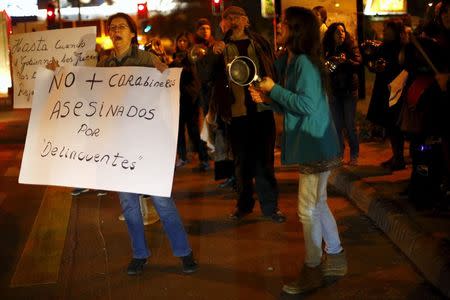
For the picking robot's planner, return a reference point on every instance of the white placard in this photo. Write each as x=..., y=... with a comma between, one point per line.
x=110, y=129
x=73, y=46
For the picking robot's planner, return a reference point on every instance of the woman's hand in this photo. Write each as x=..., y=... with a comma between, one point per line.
x=258, y=96
x=218, y=47
x=52, y=65
x=160, y=66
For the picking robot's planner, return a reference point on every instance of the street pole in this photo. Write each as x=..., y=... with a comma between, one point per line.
x=59, y=14
x=79, y=10
x=360, y=39
x=276, y=19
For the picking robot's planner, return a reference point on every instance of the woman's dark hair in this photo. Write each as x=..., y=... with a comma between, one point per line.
x=304, y=38
x=130, y=24
x=397, y=26
x=189, y=37
x=322, y=12
x=443, y=7
x=329, y=44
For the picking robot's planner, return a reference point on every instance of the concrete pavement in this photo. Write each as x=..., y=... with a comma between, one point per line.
x=423, y=236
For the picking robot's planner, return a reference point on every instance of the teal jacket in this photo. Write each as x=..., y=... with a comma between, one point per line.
x=309, y=135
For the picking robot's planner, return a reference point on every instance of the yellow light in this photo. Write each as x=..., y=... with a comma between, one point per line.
x=105, y=41
x=385, y=7
x=337, y=4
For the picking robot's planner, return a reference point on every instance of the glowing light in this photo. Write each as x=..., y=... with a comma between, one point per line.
x=147, y=28
x=105, y=41
x=141, y=7
x=5, y=75
x=383, y=7
x=430, y=4
x=337, y=4
x=216, y=1
x=16, y=8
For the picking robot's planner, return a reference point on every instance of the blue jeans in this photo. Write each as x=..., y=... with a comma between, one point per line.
x=170, y=219
x=344, y=112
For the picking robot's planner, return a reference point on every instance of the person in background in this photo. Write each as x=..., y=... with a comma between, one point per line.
x=189, y=98
x=322, y=15
x=216, y=131
x=344, y=60
x=206, y=60
x=386, y=66
x=310, y=141
x=251, y=126
x=156, y=47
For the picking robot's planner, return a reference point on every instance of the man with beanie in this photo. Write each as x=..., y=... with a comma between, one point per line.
x=205, y=64
x=251, y=126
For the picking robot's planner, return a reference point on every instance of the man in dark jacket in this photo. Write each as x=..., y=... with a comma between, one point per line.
x=251, y=125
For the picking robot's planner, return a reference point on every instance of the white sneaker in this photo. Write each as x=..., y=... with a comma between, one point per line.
x=79, y=191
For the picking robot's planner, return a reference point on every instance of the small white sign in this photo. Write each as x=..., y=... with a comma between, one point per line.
x=29, y=51
x=104, y=128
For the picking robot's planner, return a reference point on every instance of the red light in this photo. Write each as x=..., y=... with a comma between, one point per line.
x=51, y=15
x=142, y=10
x=217, y=7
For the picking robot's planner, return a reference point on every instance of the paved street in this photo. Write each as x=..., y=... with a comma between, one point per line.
x=250, y=259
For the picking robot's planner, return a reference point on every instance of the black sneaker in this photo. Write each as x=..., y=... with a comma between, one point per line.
x=277, y=217
x=238, y=214
x=136, y=266
x=189, y=263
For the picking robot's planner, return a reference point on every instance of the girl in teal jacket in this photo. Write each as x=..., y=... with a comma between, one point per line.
x=309, y=140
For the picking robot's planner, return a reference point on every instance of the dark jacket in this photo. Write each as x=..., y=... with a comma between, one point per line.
x=379, y=111
x=189, y=82
x=205, y=65
x=344, y=80
x=223, y=95
x=134, y=57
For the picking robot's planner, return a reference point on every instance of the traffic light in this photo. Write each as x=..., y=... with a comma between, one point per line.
x=216, y=7
x=51, y=14
x=142, y=10
x=146, y=26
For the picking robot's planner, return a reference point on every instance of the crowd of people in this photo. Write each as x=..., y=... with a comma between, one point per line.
x=312, y=80
x=410, y=101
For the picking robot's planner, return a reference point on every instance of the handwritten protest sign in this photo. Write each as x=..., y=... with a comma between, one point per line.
x=103, y=128
x=74, y=46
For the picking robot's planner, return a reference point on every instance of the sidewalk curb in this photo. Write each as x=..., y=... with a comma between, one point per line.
x=430, y=255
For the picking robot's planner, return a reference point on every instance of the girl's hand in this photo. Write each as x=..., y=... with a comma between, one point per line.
x=442, y=79
x=52, y=65
x=258, y=96
x=266, y=85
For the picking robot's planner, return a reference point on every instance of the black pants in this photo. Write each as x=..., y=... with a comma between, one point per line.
x=189, y=118
x=253, y=142
x=397, y=140
x=427, y=172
